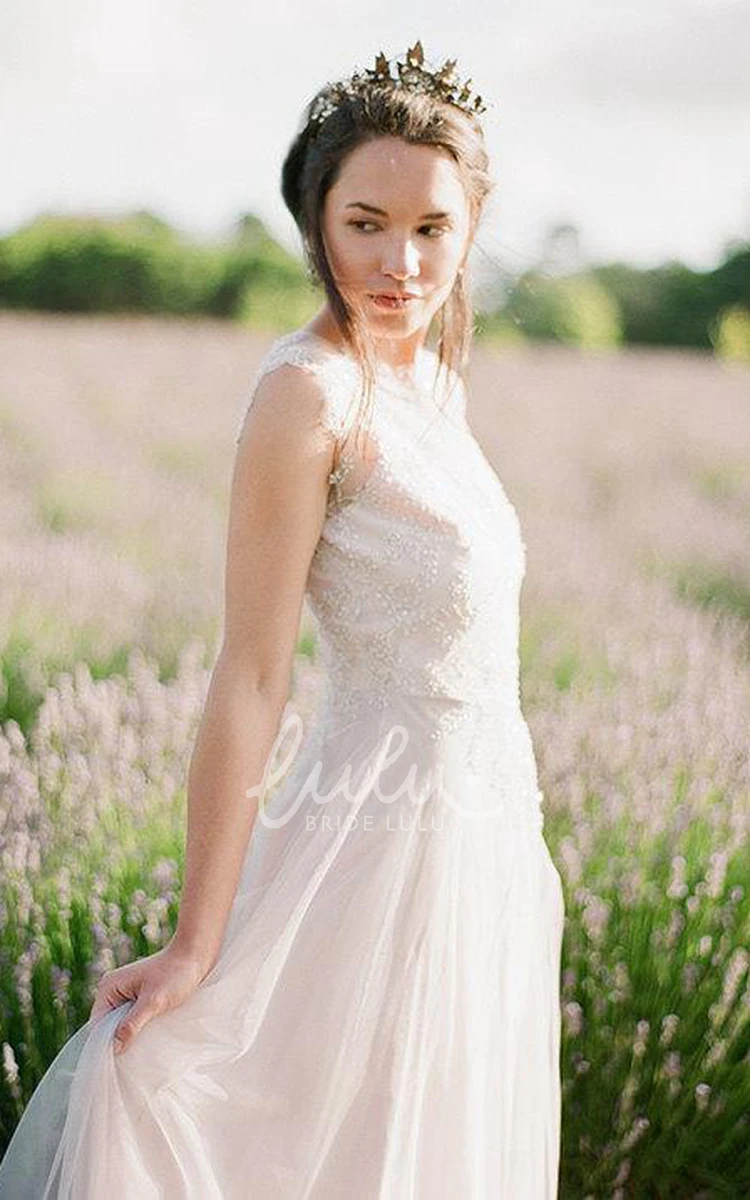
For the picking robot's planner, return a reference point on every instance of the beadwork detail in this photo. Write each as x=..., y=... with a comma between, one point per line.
x=415, y=580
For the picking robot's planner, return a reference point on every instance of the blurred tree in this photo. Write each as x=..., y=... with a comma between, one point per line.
x=730, y=334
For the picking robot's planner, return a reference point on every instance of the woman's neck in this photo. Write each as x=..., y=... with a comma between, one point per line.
x=401, y=355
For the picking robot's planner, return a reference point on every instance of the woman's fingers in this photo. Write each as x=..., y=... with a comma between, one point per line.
x=145, y=1007
x=156, y=984
x=113, y=989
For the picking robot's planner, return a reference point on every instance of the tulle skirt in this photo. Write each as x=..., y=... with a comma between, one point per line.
x=382, y=1021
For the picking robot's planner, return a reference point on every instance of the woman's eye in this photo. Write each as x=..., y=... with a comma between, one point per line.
x=439, y=229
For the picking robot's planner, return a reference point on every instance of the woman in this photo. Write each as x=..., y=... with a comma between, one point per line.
x=361, y=999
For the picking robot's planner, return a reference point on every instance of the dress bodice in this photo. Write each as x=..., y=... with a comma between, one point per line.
x=416, y=577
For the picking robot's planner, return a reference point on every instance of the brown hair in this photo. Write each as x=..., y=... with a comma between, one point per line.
x=312, y=166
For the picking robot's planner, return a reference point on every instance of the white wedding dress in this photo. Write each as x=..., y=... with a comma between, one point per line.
x=383, y=1019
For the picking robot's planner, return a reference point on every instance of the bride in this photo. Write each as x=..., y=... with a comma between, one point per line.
x=348, y=1007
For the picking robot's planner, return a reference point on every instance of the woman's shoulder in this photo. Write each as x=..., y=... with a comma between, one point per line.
x=300, y=349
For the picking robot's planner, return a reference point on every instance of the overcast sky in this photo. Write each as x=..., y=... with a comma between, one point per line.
x=629, y=119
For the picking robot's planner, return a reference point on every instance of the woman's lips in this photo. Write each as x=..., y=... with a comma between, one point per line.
x=392, y=301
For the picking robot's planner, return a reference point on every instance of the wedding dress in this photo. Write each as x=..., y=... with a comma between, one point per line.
x=382, y=1022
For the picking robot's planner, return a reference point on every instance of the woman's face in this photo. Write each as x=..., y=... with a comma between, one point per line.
x=396, y=220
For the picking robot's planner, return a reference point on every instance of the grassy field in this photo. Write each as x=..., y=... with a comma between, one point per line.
x=631, y=476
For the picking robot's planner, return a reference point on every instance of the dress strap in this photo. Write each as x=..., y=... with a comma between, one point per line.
x=310, y=355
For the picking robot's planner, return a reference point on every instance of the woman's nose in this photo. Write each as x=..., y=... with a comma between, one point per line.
x=402, y=260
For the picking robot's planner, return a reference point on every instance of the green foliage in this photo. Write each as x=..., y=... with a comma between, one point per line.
x=575, y=309
x=139, y=264
x=53, y=938
x=611, y=304
x=710, y=587
x=672, y=305
x=586, y=314
x=22, y=682
x=652, y=1098
x=730, y=333
x=499, y=330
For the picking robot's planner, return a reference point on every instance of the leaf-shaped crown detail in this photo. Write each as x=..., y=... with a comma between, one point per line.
x=411, y=74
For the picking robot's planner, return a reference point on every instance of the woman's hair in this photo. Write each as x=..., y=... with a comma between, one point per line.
x=312, y=166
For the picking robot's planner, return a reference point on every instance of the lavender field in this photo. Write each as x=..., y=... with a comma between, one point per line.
x=630, y=473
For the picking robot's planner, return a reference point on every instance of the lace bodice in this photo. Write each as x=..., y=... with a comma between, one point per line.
x=416, y=577
x=415, y=580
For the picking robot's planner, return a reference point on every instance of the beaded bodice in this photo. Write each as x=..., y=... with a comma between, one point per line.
x=415, y=580
x=416, y=577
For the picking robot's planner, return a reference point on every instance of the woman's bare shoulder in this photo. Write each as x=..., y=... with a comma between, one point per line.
x=295, y=376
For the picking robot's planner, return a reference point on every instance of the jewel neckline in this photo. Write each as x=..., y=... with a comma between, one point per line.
x=412, y=383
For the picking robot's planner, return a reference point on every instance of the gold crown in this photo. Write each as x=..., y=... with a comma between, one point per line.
x=411, y=74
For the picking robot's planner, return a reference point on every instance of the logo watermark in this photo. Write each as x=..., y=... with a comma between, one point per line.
x=369, y=772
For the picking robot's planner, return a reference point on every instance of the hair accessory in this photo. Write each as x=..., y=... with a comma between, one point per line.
x=411, y=74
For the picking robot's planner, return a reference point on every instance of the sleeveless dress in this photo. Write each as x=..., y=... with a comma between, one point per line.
x=382, y=1022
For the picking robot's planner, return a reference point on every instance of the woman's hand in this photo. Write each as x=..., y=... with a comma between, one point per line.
x=158, y=983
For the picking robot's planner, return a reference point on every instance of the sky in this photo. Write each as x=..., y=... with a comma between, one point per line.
x=629, y=120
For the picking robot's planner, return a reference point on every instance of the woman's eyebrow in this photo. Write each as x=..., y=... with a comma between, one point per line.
x=431, y=216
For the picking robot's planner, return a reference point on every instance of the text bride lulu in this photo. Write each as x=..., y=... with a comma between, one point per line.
x=402, y=821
